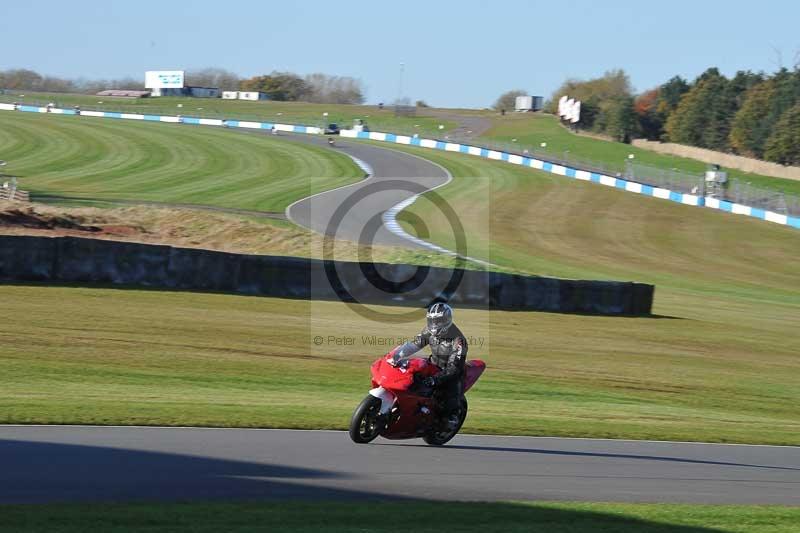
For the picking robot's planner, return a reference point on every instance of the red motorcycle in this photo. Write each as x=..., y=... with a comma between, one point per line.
x=400, y=407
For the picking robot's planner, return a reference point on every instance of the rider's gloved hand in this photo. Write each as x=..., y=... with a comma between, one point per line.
x=430, y=381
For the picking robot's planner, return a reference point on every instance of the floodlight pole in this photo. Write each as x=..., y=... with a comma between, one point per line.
x=400, y=83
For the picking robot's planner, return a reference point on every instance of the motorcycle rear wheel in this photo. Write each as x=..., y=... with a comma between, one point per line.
x=364, y=425
x=438, y=438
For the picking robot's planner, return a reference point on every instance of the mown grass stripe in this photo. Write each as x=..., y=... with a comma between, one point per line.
x=97, y=158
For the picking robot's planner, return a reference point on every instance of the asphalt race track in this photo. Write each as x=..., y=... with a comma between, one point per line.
x=73, y=463
x=395, y=177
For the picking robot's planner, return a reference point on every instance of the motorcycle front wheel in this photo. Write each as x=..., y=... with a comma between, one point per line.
x=364, y=425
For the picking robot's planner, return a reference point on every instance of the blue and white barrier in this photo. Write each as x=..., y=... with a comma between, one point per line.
x=583, y=175
x=546, y=166
x=290, y=128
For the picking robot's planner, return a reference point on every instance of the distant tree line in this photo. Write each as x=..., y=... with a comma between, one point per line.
x=281, y=86
x=29, y=80
x=751, y=114
x=317, y=87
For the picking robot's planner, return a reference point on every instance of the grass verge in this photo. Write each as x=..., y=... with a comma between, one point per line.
x=122, y=356
x=720, y=363
x=415, y=516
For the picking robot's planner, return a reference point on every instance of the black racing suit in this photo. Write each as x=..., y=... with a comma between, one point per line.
x=449, y=353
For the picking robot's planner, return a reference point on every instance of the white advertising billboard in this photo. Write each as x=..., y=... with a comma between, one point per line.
x=562, y=102
x=569, y=109
x=163, y=79
x=576, y=112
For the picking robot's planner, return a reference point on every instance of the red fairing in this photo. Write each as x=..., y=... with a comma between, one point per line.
x=399, y=378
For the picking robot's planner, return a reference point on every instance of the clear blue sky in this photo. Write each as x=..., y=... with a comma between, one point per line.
x=456, y=53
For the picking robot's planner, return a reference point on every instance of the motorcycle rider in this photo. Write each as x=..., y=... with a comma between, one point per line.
x=449, y=353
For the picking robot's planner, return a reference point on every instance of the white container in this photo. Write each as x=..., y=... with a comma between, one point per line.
x=529, y=103
x=252, y=95
x=524, y=103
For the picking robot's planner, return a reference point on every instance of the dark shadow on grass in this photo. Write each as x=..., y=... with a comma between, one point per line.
x=415, y=304
x=125, y=287
x=328, y=516
x=567, y=453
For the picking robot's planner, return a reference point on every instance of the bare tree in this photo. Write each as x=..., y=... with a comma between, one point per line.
x=21, y=79
x=95, y=86
x=53, y=84
x=213, y=77
x=778, y=60
x=324, y=88
x=508, y=100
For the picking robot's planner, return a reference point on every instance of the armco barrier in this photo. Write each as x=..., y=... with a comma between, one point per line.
x=517, y=159
x=78, y=260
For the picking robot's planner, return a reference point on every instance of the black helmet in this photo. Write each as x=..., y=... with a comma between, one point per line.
x=440, y=318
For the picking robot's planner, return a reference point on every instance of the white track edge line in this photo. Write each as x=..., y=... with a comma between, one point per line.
x=389, y=217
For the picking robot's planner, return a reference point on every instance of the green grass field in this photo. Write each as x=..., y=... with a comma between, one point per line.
x=528, y=129
x=546, y=224
x=283, y=112
x=733, y=282
x=105, y=159
x=347, y=517
x=721, y=368
x=532, y=129
x=116, y=356
x=95, y=162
